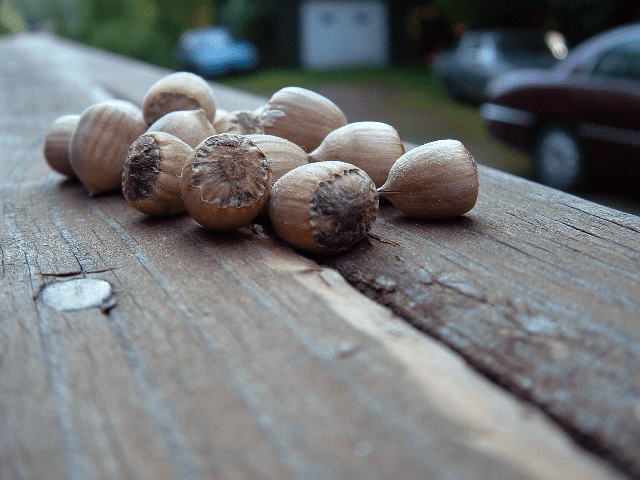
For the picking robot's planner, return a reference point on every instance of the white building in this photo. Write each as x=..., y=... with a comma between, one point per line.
x=343, y=33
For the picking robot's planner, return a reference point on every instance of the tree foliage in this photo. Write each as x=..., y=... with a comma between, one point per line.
x=576, y=19
x=150, y=29
x=144, y=29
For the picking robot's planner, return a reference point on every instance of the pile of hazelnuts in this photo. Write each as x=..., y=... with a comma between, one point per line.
x=296, y=161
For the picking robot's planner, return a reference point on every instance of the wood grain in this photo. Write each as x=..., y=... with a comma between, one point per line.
x=220, y=356
x=538, y=290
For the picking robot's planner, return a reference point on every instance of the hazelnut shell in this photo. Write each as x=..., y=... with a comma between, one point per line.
x=225, y=182
x=190, y=126
x=301, y=116
x=371, y=146
x=178, y=91
x=57, y=143
x=100, y=143
x=282, y=154
x=323, y=207
x=151, y=175
x=433, y=181
x=243, y=122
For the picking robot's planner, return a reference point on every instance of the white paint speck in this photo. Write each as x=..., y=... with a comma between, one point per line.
x=78, y=294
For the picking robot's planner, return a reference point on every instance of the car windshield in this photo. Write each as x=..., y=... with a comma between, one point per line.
x=523, y=46
x=622, y=61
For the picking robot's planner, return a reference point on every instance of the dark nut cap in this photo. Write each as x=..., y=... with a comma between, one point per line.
x=225, y=182
x=323, y=207
x=151, y=175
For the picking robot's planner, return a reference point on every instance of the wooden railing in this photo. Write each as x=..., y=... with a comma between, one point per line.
x=502, y=344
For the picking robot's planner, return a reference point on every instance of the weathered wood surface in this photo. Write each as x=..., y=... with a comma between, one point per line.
x=538, y=290
x=235, y=357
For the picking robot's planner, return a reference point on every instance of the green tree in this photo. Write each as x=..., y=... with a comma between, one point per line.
x=11, y=19
x=148, y=30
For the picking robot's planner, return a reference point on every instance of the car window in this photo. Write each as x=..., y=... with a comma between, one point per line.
x=622, y=61
x=520, y=46
x=468, y=49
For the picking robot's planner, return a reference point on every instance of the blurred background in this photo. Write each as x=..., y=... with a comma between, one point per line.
x=378, y=60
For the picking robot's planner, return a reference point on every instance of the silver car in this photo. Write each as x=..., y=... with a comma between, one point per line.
x=481, y=55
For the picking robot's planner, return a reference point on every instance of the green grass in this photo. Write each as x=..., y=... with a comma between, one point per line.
x=408, y=98
x=267, y=81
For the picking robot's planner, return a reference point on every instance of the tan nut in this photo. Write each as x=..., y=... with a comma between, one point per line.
x=178, y=91
x=433, y=181
x=190, y=126
x=225, y=182
x=301, y=116
x=100, y=143
x=282, y=154
x=151, y=175
x=371, y=146
x=323, y=207
x=57, y=143
x=242, y=122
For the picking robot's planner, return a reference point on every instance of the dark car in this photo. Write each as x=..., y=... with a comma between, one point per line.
x=480, y=55
x=215, y=52
x=580, y=120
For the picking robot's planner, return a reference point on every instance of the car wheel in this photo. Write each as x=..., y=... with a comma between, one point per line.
x=559, y=161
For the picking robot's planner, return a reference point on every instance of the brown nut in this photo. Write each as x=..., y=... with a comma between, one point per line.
x=225, y=182
x=100, y=143
x=178, y=91
x=301, y=116
x=371, y=146
x=151, y=175
x=190, y=126
x=57, y=143
x=323, y=207
x=282, y=154
x=242, y=122
x=433, y=181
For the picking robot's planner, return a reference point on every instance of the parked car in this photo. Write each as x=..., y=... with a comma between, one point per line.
x=579, y=120
x=214, y=52
x=480, y=55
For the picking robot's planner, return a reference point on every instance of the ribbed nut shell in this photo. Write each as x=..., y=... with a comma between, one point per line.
x=178, y=91
x=242, y=122
x=301, y=116
x=151, y=175
x=433, y=181
x=225, y=182
x=371, y=146
x=323, y=207
x=57, y=143
x=190, y=126
x=101, y=141
x=281, y=153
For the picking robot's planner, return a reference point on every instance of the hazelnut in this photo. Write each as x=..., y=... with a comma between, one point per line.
x=301, y=116
x=433, y=181
x=323, y=207
x=151, y=175
x=100, y=143
x=240, y=121
x=282, y=154
x=190, y=126
x=225, y=182
x=178, y=91
x=57, y=143
x=371, y=146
